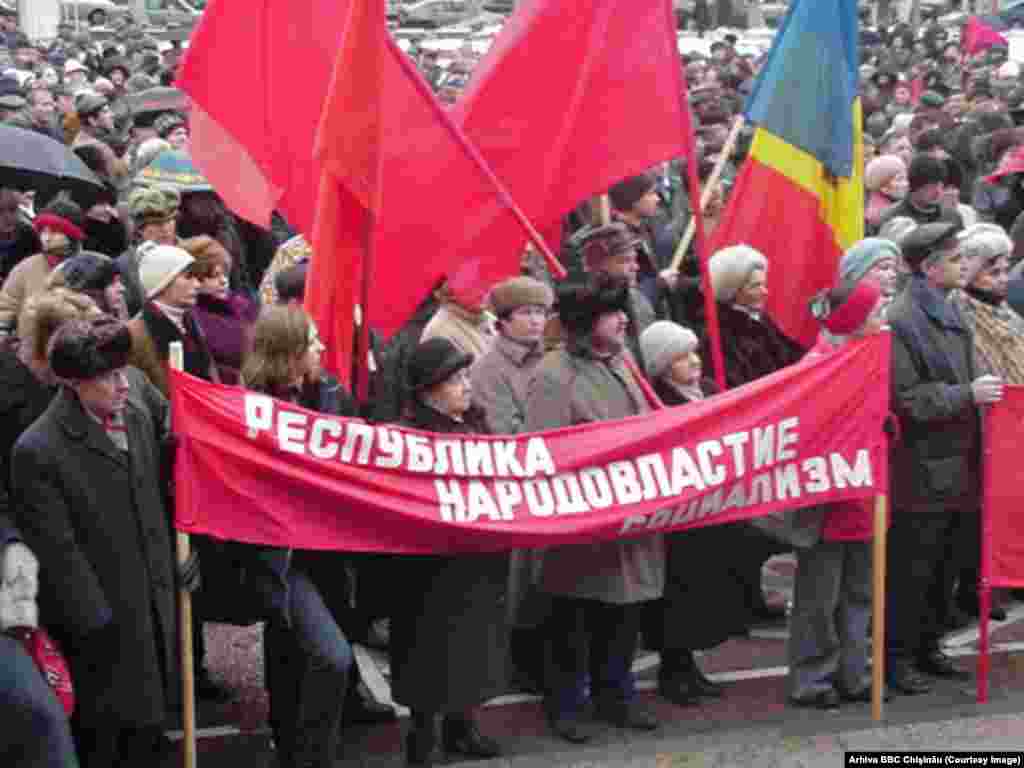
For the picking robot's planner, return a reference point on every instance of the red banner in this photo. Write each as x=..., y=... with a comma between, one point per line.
x=1004, y=525
x=262, y=471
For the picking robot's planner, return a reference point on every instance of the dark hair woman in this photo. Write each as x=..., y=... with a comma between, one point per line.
x=308, y=659
x=448, y=634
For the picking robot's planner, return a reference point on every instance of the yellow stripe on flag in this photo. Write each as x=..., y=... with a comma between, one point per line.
x=842, y=199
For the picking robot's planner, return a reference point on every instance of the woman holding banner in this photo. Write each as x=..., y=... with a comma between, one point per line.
x=448, y=633
x=752, y=346
x=308, y=659
x=828, y=632
x=693, y=558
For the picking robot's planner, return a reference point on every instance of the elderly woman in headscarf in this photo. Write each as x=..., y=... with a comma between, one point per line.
x=998, y=330
x=874, y=258
x=690, y=616
x=998, y=344
x=895, y=229
x=753, y=345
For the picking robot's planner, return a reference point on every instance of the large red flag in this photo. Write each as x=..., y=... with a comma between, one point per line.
x=573, y=96
x=258, y=78
x=978, y=36
x=399, y=187
x=438, y=189
x=349, y=154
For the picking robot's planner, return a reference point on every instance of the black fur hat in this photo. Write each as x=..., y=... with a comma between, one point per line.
x=85, y=349
x=581, y=302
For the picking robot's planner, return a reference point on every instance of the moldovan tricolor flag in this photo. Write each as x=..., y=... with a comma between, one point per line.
x=799, y=197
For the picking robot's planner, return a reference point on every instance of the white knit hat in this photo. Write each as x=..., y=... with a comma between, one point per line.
x=731, y=269
x=159, y=265
x=662, y=343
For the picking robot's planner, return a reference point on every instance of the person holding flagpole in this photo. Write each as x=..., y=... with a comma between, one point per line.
x=828, y=627
x=935, y=470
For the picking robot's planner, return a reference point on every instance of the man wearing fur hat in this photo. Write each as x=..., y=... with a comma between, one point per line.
x=154, y=213
x=597, y=590
x=613, y=251
x=108, y=578
x=500, y=377
x=935, y=467
x=60, y=229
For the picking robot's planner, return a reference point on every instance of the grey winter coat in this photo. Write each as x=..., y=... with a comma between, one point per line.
x=574, y=386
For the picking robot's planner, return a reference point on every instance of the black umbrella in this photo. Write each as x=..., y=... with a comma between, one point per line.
x=160, y=99
x=30, y=160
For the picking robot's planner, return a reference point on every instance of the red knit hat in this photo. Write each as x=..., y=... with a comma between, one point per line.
x=853, y=312
x=58, y=223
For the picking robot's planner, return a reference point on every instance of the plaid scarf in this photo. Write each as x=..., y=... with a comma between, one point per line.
x=998, y=338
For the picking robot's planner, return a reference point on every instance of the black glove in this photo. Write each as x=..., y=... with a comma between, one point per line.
x=189, y=575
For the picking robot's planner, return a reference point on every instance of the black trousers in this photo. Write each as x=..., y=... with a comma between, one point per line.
x=595, y=638
x=919, y=583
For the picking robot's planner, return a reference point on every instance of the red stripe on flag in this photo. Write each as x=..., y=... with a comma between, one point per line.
x=783, y=221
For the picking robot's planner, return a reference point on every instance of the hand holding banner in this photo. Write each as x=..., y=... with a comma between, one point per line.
x=263, y=471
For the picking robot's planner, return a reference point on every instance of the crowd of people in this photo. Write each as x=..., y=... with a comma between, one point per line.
x=93, y=291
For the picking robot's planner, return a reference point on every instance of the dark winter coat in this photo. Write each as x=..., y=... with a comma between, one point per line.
x=750, y=348
x=152, y=334
x=695, y=560
x=95, y=518
x=929, y=215
x=448, y=631
x=23, y=399
x=935, y=464
x=226, y=324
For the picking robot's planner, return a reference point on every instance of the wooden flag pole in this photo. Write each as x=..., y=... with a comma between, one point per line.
x=713, y=181
x=188, y=680
x=878, y=609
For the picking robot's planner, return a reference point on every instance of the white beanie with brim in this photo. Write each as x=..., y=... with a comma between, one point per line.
x=662, y=343
x=731, y=268
x=159, y=265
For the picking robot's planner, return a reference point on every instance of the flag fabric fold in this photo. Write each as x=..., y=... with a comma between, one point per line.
x=572, y=97
x=258, y=74
x=340, y=103
x=979, y=36
x=799, y=196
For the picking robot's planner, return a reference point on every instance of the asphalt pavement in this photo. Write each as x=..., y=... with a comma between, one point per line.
x=750, y=726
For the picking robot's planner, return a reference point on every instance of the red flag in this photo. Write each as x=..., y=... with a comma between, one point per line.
x=979, y=36
x=573, y=96
x=349, y=152
x=258, y=79
x=373, y=111
x=399, y=184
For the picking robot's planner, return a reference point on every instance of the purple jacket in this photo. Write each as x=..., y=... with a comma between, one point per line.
x=226, y=323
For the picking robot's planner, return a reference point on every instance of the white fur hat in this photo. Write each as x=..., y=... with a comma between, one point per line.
x=662, y=343
x=731, y=269
x=159, y=265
